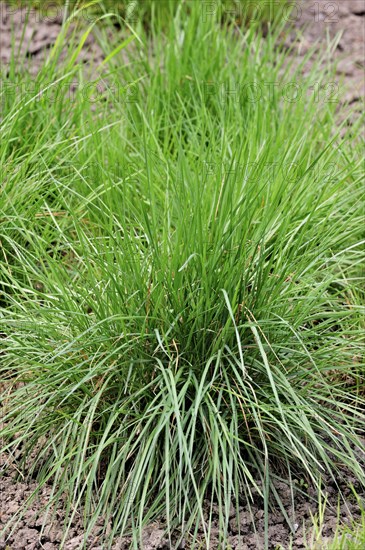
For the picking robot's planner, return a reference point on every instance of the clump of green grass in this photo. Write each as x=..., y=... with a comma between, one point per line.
x=348, y=536
x=183, y=286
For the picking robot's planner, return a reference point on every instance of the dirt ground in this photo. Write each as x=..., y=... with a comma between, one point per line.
x=30, y=535
x=313, y=20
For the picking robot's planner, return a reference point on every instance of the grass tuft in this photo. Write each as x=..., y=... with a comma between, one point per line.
x=181, y=265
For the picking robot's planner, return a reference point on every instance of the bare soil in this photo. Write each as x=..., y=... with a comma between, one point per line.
x=35, y=531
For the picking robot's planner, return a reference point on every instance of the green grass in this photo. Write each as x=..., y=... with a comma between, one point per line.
x=348, y=536
x=182, y=284
x=133, y=11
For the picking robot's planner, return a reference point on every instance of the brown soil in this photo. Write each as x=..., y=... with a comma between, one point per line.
x=347, y=19
x=35, y=531
x=41, y=31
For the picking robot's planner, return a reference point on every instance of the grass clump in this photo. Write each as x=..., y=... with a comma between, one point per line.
x=141, y=11
x=182, y=291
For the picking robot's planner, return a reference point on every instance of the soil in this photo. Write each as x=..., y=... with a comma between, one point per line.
x=343, y=18
x=41, y=31
x=36, y=531
x=313, y=20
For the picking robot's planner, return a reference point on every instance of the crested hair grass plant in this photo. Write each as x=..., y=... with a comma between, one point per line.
x=181, y=277
x=236, y=10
